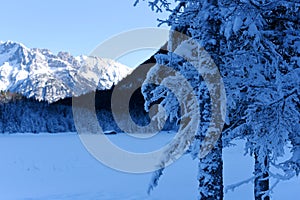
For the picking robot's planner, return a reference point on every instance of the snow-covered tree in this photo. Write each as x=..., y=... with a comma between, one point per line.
x=188, y=79
x=255, y=44
x=211, y=164
x=259, y=54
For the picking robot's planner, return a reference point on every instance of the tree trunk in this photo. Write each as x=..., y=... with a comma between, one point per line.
x=211, y=174
x=261, y=183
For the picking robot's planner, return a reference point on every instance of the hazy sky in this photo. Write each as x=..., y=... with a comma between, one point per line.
x=73, y=26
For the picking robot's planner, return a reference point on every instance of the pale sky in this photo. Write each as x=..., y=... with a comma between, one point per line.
x=73, y=26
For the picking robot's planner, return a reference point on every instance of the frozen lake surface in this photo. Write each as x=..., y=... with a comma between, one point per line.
x=58, y=167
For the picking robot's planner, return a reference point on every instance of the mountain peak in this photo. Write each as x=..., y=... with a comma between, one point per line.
x=11, y=44
x=40, y=74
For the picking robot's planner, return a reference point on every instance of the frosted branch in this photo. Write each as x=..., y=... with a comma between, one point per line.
x=232, y=187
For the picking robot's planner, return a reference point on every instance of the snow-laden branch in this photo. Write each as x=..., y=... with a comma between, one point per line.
x=232, y=187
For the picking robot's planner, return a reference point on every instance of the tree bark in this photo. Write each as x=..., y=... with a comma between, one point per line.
x=261, y=182
x=211, y=174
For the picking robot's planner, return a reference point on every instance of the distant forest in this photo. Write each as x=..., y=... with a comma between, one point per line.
x=22, y=115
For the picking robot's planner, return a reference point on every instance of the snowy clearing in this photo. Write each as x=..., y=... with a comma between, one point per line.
x=58, y=167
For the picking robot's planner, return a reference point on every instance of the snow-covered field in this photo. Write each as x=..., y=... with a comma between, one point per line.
x=58, y=167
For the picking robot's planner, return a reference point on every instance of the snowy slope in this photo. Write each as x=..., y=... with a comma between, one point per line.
x=40, y=74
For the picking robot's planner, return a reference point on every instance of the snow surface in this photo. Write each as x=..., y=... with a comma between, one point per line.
x=58, y=167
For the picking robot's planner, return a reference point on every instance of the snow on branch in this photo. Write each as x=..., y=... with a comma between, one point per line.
x=232, y=187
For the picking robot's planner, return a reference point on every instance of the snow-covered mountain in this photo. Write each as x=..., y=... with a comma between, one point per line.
x=40, y=74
